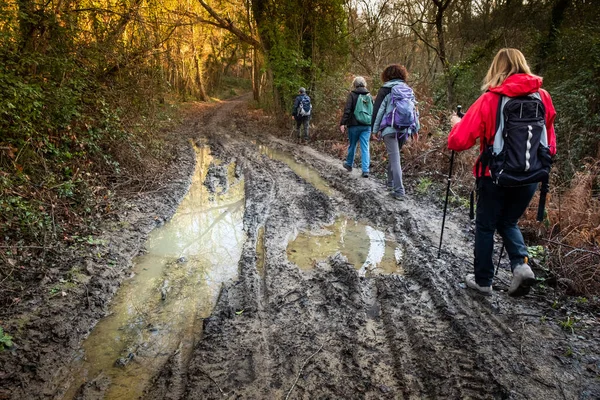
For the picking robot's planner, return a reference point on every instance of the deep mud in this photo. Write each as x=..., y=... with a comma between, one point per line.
x=281, y=331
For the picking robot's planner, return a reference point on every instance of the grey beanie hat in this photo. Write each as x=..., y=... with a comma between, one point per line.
x=302, y=90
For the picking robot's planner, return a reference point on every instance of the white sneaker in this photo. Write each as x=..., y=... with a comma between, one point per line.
x=470, y=281
x=523, y=279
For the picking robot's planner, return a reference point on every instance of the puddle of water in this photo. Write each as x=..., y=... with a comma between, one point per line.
x=176, y=284
x=305, y=172
x=364, y=246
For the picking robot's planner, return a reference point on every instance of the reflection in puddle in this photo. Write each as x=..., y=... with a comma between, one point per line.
x=305, y=172
x=364, y=247
x=176, y=284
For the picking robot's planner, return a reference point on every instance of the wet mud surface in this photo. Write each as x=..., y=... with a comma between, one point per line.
x=298, y=323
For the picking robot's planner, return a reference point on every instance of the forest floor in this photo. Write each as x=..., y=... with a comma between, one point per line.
x=331, y=329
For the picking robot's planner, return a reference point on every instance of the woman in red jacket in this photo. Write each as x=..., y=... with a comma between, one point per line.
x=499, y=208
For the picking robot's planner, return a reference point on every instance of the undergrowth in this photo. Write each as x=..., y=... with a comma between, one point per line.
x=71, y=144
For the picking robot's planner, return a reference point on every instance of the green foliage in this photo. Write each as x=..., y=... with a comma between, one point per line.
x=63, y=138
x=573, y=78
x=423, y=185
x=303, y=44
x=568, y=324
x=569, y=352
x=287, y=66
x=536, y=251
x=468, y=73
x=5, y=340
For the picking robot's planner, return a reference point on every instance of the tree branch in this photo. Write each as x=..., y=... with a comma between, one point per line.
x=227, y=24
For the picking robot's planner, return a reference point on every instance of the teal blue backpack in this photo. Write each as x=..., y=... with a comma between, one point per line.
x=364, y=109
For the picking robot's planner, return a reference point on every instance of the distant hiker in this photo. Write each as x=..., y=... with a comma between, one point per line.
x=301, y=112
x=395, y=118
x=357, y=117
x=513, y=96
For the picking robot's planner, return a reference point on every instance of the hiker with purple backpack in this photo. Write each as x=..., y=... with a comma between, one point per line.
x=395, y=118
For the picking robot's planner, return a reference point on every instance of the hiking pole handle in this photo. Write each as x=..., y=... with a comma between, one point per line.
x=459, y=112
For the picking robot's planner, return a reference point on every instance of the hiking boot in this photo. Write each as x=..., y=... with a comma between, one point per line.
x=470, y=282
x=365, y=174
x=523, y=279
x=398, y=196
x=348, y=167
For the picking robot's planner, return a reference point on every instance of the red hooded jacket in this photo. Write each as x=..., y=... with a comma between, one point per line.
x=480, y=119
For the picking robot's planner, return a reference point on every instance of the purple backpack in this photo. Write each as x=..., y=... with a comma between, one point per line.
x=404, y=114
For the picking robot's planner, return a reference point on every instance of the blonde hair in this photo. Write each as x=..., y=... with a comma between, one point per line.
x=506, y=63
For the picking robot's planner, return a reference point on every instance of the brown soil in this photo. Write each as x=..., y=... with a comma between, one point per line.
x=281, y=332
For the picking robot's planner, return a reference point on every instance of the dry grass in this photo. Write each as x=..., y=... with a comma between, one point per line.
x=571, y=231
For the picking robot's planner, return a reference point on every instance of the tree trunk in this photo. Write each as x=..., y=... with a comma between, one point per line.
x=256, y=79
x=27, y=24
x=441, y=6
x=558, y=14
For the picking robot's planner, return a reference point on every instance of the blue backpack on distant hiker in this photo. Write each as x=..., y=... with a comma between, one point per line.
x=304, y=108
x=404, y=114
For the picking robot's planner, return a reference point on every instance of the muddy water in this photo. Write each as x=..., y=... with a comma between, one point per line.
x=175, y=285
x=305, y=172
x=364, y=246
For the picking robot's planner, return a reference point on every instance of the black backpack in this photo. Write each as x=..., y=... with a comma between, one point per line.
x=520, y=154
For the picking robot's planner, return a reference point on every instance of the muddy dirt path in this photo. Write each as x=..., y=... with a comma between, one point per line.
x=298, y=324
x=282, y=331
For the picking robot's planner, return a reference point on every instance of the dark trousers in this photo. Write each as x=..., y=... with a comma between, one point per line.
x=499, y=208
x=301, y=121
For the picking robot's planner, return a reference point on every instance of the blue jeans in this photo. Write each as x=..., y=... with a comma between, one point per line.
x=499, y=208
x=360, y=133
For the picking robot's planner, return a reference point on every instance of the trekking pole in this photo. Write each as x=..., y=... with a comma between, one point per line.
x=499, y=259
x=542, y=204
x=460, y=114
x=446, y=202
